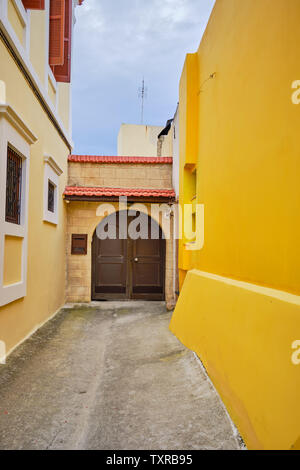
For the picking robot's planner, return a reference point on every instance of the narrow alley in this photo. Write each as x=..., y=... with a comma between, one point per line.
x=109, y=376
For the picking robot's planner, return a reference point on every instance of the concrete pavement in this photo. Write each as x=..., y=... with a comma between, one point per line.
x=111, y=376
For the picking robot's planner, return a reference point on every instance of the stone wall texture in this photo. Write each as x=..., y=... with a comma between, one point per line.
x=83, y=218
x=156, y=176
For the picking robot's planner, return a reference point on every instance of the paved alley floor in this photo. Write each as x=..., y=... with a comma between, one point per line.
x=109, y=377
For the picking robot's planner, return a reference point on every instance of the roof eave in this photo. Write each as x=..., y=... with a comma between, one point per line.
x=144, y=199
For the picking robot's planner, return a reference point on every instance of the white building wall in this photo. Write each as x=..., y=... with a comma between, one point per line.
x=175, y=136
x=138, y=140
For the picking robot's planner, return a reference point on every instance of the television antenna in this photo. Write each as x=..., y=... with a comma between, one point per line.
x=143, y=95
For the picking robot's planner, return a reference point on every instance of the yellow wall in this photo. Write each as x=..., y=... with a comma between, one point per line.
x=248, y=153
x=246, y=136
x=46, y=242
x=38, y=42
x=13, y=250
x=244, y=337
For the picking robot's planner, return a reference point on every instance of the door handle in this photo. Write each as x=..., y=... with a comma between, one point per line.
x=136, y=260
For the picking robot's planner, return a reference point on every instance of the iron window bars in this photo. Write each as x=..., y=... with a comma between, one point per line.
x=13, y=187
x=51, y=191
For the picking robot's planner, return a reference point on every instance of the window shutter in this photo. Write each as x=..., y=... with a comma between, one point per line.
x=56, y=32
x=34, y=4
x=62, y=72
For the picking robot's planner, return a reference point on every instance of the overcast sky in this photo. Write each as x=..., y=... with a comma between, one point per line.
x=116, y=44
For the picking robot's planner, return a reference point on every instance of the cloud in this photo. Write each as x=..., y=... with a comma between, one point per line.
x=116, y=44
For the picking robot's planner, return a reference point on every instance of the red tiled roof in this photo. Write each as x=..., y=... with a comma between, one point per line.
x=92, y=192
x=116, y=159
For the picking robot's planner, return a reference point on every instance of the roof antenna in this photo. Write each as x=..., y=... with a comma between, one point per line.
x=143, y=95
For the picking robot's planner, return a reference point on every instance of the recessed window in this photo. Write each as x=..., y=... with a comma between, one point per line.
x=51, y=188
x=51, y=192
x=13, y=187
x=15, y=141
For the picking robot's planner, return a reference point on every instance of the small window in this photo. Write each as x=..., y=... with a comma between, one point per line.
x=13, y=187
x=51, y=189
x=51, y=192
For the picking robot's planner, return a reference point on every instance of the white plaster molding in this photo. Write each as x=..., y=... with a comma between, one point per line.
x=21, y=11
x=3, y=8
x=27, y=33
x=8, y=112
x=53, y=164
x=51, y=77
x=266, y=291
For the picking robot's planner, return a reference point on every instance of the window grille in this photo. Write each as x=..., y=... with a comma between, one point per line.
x=51, y=190
x=13, y=187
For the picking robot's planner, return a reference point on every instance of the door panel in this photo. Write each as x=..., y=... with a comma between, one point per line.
x=147, y=279
x=109, y=270
x=128, y=269
x=148, y=267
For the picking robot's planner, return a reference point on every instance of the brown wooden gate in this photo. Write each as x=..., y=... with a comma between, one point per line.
x=128, y=269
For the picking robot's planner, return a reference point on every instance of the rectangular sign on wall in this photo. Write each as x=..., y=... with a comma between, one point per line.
x=79, y=244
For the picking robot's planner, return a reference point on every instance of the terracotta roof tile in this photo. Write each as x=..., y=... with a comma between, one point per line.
x=116, y=159
x=92, y=192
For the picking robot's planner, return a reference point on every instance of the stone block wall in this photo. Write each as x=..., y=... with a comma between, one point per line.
x=118, y=175
x=83, y=219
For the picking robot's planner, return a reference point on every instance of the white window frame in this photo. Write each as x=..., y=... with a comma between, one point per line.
x=14, y=133
x=52, y=173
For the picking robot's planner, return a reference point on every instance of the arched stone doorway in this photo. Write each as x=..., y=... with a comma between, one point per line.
x=124, y=267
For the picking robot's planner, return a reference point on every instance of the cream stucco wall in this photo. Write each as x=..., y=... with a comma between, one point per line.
x=38, y=42
x=46, y=242
x=64, y=105
x=175, y=152
x=138, y=140
x=27, y=31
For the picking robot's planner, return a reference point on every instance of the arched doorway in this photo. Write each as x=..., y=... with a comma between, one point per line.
x=124, y=267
